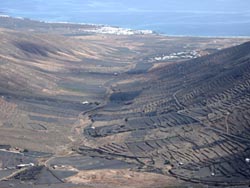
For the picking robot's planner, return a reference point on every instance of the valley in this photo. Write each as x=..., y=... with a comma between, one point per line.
x=81, y=109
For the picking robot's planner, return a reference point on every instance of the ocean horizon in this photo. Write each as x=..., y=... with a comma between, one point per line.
x=176, y=23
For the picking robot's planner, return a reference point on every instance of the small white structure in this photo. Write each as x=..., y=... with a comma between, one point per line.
x=92, y=127
x=212, y=174
x=85, y=102
x=180, y=163
x=55, y=167
x=25, y=165
x=247, y=160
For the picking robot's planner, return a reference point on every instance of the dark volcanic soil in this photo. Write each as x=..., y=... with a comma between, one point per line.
x=95, y=110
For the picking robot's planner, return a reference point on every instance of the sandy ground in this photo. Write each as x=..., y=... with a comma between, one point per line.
x=121, y=179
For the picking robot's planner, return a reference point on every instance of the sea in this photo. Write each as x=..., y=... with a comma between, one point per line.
x=168, y=23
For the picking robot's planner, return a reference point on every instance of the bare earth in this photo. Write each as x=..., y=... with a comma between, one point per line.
x=96, y=110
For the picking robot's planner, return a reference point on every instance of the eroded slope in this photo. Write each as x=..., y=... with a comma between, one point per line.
x=191, y=120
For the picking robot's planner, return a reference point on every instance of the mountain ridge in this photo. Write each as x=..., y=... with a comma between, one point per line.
x=98, y=108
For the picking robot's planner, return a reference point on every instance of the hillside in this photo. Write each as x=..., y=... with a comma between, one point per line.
x=102, y=109
x=191, y=120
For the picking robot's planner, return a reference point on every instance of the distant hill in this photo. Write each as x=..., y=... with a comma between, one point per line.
x=121, y=110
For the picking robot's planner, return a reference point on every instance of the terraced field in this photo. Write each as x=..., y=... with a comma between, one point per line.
x=191, y=121
x=106, y=110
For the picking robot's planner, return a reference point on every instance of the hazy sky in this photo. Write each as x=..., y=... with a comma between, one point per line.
x=196, y=6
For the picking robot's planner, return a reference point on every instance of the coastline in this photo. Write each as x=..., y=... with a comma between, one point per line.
x=147, y=31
